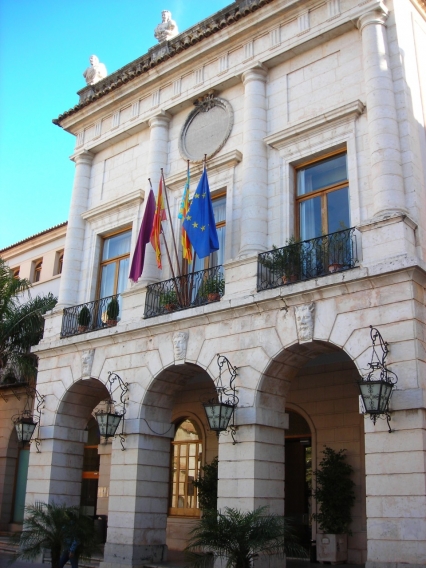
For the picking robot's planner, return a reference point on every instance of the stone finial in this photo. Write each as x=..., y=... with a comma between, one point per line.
x=95, y=72
x=87, y=362
x=167, y=29
x=180, y=342
x=305, y=322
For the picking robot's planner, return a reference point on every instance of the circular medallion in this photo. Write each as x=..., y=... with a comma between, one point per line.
x=206, y=129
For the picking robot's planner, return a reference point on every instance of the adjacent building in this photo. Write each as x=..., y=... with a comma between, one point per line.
x=312, y=117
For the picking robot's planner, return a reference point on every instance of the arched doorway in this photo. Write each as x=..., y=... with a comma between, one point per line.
x=317, y=381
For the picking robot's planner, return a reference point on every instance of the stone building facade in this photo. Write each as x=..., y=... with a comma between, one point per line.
x=312, y=116
x=38, y=259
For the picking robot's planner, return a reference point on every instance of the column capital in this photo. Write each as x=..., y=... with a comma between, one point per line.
x=376, y=16
x=161, y=119
x=84, y=157
x=257, y=73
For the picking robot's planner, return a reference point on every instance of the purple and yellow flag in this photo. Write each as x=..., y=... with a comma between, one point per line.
x=143, y=238
x=159, y=216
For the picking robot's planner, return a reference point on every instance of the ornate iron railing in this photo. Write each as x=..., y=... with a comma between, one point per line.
x=183, y=292
x=307, y=259
x=91, y=316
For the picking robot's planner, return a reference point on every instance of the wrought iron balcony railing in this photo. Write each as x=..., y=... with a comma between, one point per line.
x=91, y=316
x=307, y=259
x=183, y=292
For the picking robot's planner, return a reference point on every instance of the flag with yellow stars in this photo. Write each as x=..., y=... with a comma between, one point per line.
x=199, y=222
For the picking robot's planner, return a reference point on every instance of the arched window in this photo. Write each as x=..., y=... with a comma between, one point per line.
x=186, y=461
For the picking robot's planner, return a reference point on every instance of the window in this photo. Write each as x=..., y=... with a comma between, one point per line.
x=15, y=272
x=217, y=257
x=186, y=462
x=322, y=199
x=37, y=270
x=115, y=264
x=59, y=262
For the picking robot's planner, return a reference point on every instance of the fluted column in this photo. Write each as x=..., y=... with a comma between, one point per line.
x=157, y=159
x=386, y=171
x=254, y=221
x=74, y=242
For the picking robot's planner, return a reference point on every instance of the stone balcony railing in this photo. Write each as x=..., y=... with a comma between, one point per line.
x=91, y=316
x=184, y=292
x=305, y=260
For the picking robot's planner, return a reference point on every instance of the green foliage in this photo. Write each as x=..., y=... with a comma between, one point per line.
x=84, y=316
x=113, y=309
x=53, y=527
x=21, y=325
x=334, y=493
x=207, y=486
x=238, y=537
x=284, y=261
x=168, y=298
x=215, y=285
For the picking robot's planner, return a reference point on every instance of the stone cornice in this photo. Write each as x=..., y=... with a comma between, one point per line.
x=224, y=161
x=281, y=139
x=135, y=197
x=156, y=55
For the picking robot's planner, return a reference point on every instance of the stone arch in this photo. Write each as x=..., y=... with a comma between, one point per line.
x=318, y=380
x=62, y=450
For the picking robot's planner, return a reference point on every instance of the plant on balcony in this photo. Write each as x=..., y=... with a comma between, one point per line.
x=169, y=300
x=285, y=262
x=212, y=288
x=84, y=318
x=113, y=309
x=336, y=249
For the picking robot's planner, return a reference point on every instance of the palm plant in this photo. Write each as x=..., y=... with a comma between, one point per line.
x=238, y=537
x=21, y=325
x=51, y=526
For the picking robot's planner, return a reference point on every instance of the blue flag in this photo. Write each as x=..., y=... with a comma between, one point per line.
x=199, y=222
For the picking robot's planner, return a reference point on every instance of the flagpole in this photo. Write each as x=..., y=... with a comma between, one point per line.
x=171, y=225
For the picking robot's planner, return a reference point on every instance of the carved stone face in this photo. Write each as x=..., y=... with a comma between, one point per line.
x=87, y=362
x=166, y=15
x=305, y=322
x=180, y=339
x=93, y=60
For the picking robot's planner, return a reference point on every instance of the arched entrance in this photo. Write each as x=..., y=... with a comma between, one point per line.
x=316, y=381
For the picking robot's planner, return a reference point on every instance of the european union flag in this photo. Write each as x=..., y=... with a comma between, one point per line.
x=199, y=222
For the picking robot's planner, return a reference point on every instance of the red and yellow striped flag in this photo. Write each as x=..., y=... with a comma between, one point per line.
x=183, y=210
x=159, y=216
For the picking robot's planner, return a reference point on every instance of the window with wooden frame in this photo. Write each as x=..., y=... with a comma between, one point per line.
x=15, y=272
x=322, y=196
x=216, y=258
x=187, y=448
x=37, y=270
x=59, y=262
x=114, y=269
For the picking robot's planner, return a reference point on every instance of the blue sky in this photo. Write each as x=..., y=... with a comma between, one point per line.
x=44, y=49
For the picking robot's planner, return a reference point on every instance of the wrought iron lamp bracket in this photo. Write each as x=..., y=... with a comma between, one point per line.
x=227, y=394
x=27, y=414
x=110, y=403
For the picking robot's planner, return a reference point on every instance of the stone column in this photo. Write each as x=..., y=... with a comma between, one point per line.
x=157, y=159
x=386, y=171
x=254, y=220
x=74, y=242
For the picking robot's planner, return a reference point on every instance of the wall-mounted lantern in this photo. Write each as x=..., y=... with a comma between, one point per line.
x=220, y=409
x=109, y=419
x=26, y=422
x=376, y=387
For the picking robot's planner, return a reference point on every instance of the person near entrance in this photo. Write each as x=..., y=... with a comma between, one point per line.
x=70, y=553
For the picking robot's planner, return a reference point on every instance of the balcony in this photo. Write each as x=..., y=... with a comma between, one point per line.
x=305, y=260
x=90, y=316
x=184, y=292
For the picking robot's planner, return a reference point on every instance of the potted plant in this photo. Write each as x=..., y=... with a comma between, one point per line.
x=84, y=318
x=335, y=497
x=113, y=309
x=212, y=288
x=338, y=250
x=285, y=262
x=169, y=300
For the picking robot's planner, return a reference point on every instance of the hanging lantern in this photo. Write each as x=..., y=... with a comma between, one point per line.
x=108, y=422
x=220, y=410
x=25, y=426
x=377, y=386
